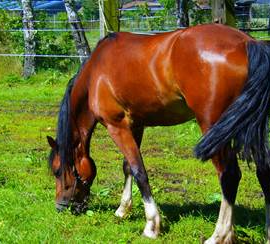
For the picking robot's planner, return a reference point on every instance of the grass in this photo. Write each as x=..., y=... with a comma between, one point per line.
x=186, y=191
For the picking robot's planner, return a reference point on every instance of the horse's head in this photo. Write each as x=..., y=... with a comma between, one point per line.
x=73, y=182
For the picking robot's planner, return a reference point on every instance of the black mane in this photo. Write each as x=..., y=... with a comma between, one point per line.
x=64, y=138
x=64, y=131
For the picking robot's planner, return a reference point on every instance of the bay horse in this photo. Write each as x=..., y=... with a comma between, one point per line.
x=214, y=73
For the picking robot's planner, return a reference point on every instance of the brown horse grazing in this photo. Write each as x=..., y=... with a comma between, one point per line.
x=214, y=73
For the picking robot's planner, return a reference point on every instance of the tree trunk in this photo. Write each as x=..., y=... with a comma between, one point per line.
x=182, y=13
x=29, y=38
x=109, y=16
x=230, y=13
x=81, y=43
x=223, y=12
x=111, y=13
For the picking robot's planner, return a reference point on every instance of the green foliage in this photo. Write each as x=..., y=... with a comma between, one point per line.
x=48, y=43
x=260, y=10
x=259, y=23
x=197, y=15
x=90, y=9
x=10, y=21
x=169, y=5
x=51, y=43
x=166, y=18
x=200, y=16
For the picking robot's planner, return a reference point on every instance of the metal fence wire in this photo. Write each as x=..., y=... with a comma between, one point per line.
x=257, y=18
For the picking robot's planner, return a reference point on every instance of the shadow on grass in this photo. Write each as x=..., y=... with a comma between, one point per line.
x=245, y=218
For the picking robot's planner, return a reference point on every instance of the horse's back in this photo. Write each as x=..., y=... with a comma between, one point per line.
x=143, y=77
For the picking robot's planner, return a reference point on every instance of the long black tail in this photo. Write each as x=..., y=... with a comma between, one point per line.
x=244, y=125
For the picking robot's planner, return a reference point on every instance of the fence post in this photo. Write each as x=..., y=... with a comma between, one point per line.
x=29, y=38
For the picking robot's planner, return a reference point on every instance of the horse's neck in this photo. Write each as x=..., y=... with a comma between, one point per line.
x=83, y=120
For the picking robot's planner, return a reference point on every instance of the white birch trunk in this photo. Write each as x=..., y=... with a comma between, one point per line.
x=29, y=38
x=81, y=43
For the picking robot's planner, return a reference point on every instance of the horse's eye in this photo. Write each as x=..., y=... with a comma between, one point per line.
x=57, y=173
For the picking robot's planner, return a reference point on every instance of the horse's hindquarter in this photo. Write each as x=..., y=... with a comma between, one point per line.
x=210, y=66
x=132, y=79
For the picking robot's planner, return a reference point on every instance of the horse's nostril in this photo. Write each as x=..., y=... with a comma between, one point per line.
x=60, y=207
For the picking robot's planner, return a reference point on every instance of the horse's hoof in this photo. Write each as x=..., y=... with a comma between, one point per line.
x=123, y=210
x=218, y=239
x=152, y=228
x=150, y=234
x=120, y=213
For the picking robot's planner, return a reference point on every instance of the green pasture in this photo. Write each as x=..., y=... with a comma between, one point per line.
x=186, y=190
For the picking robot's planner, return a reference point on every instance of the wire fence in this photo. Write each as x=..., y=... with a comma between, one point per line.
x=253, y=21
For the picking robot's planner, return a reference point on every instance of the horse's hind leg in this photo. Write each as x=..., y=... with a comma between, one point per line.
x=229, y=177
x=263, y=174
x=124, y=139
x=126, y=199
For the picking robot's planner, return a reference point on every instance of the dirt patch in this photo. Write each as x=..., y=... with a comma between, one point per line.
x=183, y=191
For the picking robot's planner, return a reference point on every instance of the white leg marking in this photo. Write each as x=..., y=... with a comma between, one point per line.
x=267, y=222
x=126, y=200
x=224, y=228
x=152, y=227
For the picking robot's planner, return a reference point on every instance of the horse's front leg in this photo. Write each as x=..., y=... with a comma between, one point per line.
x=263, y=174
x=229, y=177
x=126, y=199
x=124, y=139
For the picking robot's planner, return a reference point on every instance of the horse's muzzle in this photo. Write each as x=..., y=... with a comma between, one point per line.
x=61, y=206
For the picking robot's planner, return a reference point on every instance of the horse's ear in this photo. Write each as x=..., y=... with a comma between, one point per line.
x=52, y=142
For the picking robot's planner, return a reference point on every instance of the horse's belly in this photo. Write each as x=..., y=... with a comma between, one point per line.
x=176, y=112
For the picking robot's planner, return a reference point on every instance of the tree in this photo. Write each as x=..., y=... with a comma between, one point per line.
x=29, y=38
x=81, y=43
x=182, y=13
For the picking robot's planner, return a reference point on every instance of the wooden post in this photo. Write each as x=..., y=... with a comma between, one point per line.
x=223, y=12
x=218, y=11
x=81, y=42
x=29, y=38
x=109, y=16
x=101, y=19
